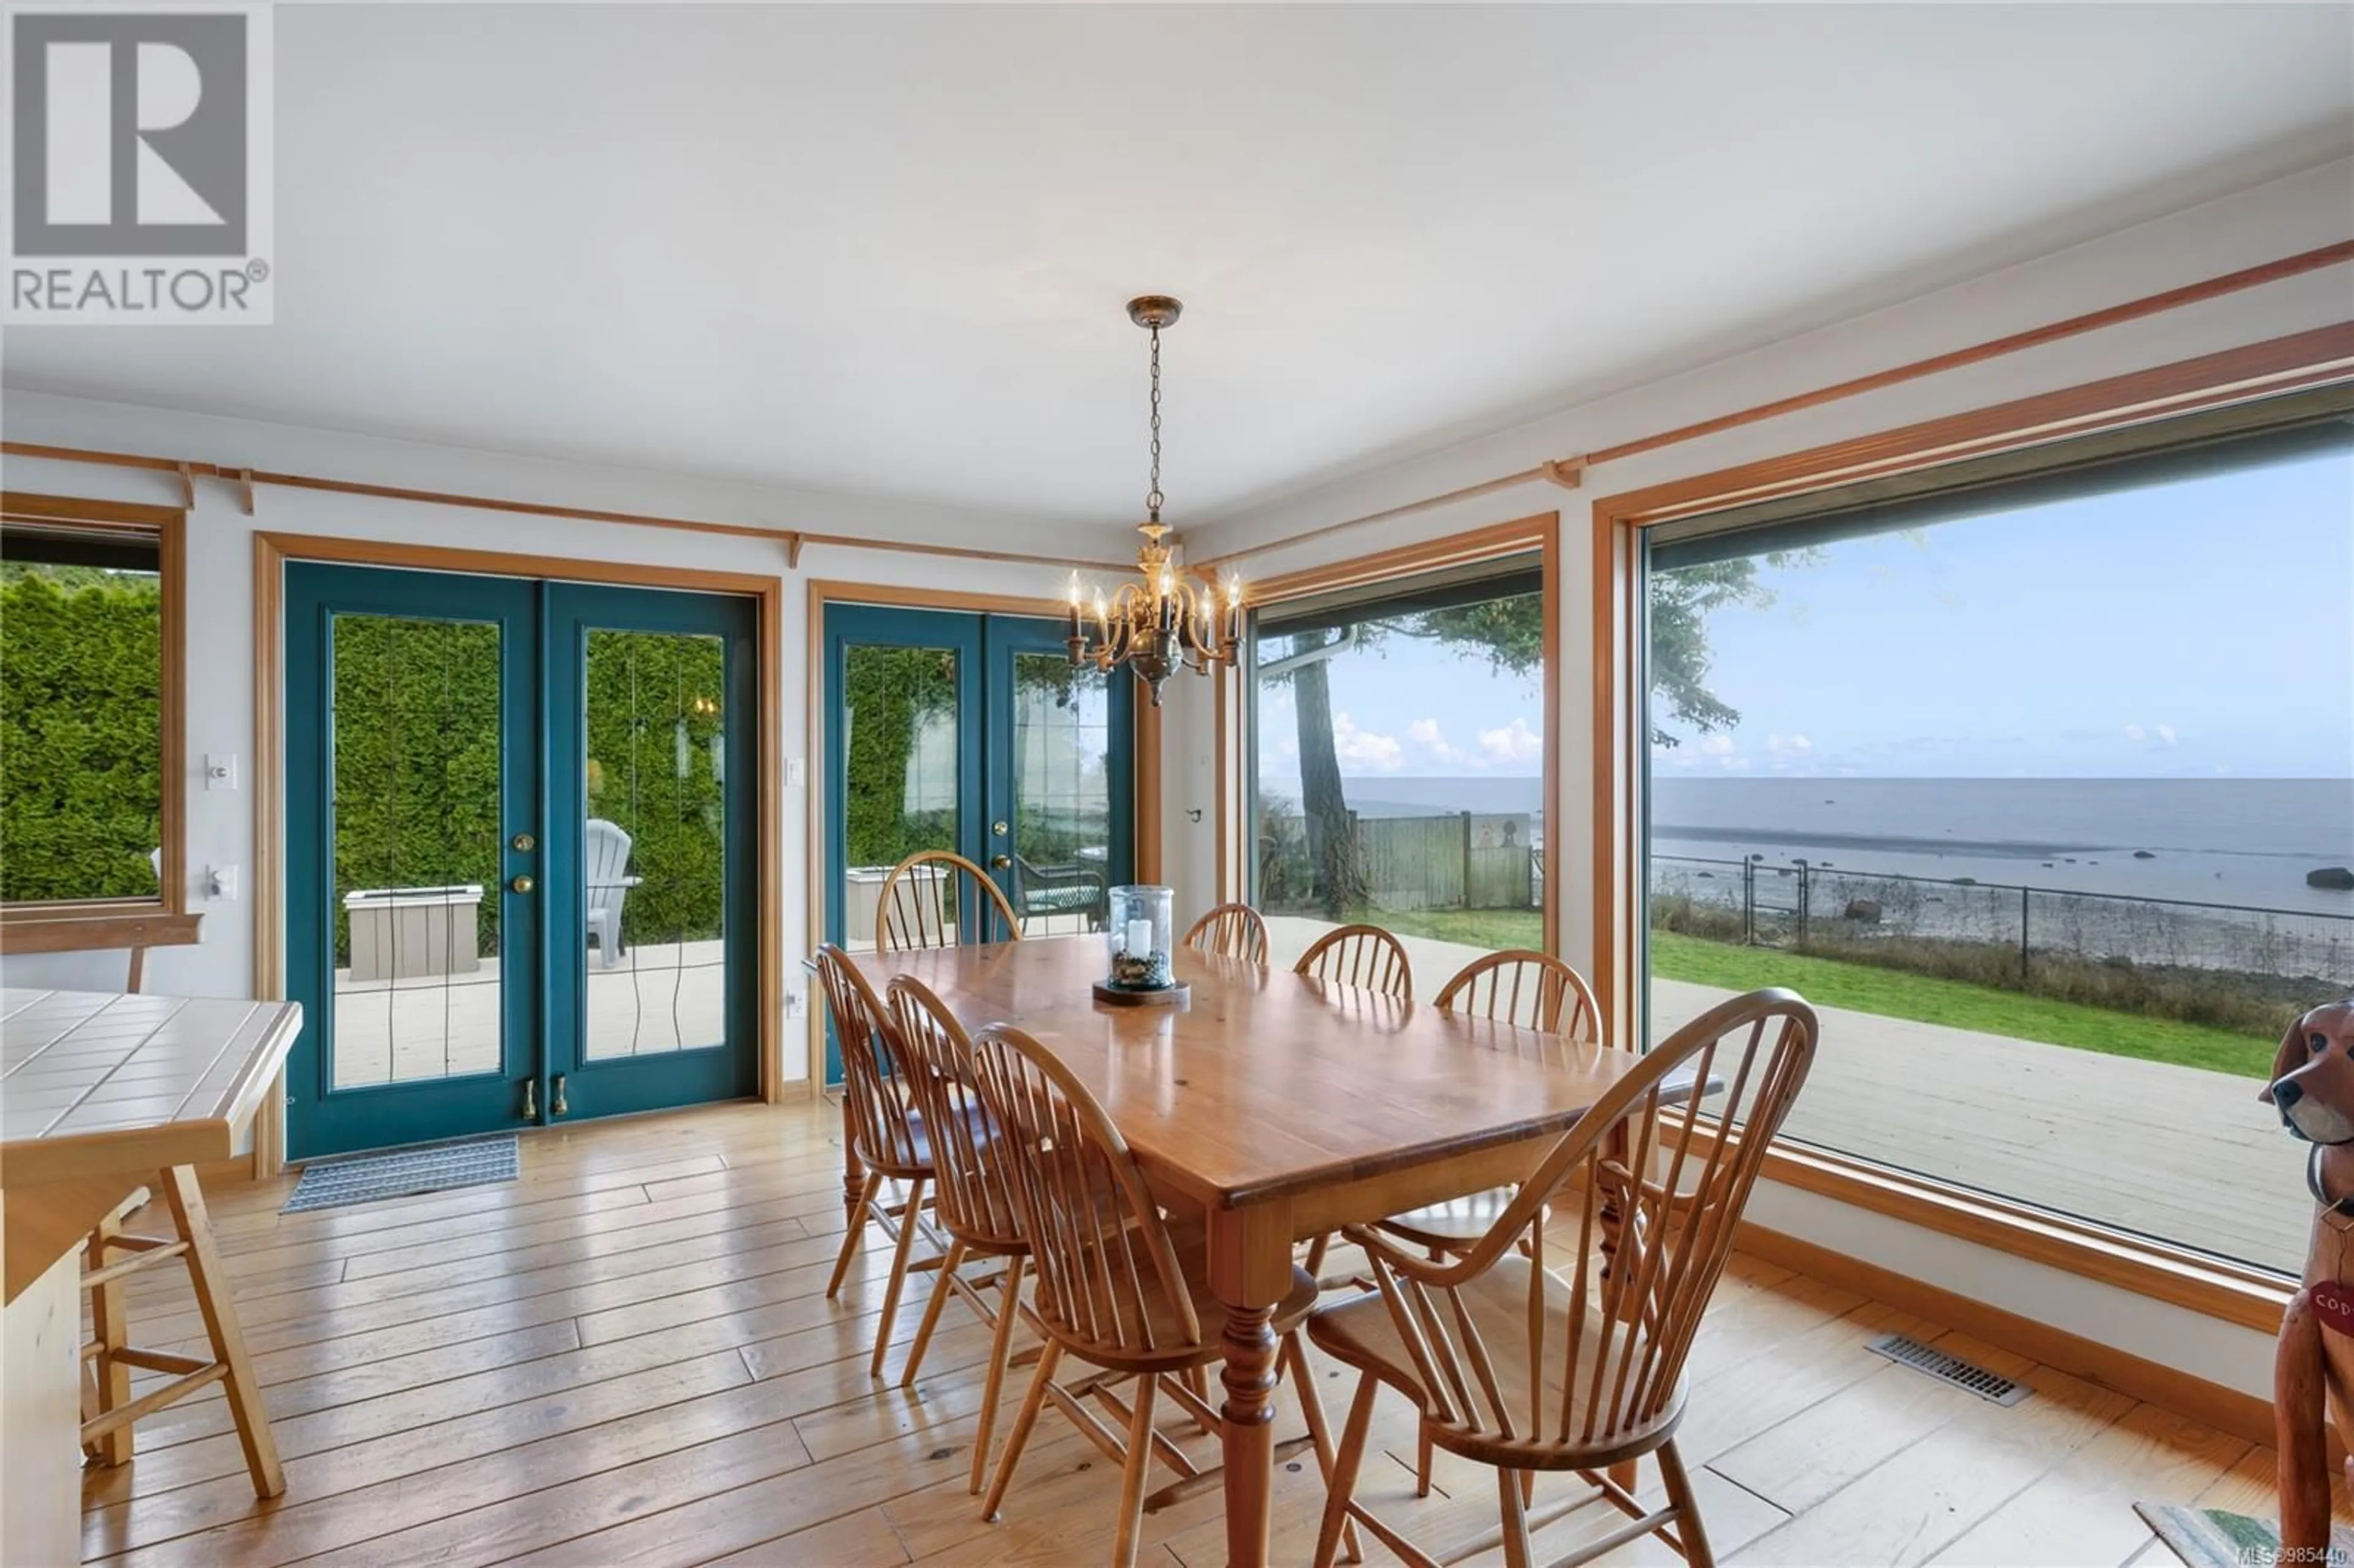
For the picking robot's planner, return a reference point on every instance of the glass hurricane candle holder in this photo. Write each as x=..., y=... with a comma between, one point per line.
x=1141, y=936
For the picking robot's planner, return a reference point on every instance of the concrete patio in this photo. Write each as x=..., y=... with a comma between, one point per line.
x=2175, y=1152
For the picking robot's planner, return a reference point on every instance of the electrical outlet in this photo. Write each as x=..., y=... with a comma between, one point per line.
x=796, y=1003
x=220, y=770
x=220, y=882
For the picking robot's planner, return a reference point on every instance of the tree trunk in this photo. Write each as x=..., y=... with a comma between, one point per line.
x=1324, y=804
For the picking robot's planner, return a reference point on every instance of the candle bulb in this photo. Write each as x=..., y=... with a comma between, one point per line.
x=1139, y=938
x=1075, y=634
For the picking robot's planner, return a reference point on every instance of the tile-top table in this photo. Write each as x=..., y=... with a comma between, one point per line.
x=99, y=1092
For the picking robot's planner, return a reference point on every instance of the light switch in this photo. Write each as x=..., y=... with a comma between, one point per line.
x=220, y=882
x=796, y=773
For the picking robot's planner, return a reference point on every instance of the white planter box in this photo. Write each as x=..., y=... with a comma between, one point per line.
x=863, y=898
x=401, y=933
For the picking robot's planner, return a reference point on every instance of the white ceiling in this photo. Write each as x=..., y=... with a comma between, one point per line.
x=886, y=250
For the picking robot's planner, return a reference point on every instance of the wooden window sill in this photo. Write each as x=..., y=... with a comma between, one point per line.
x=82, y=928
x=2217, y=1287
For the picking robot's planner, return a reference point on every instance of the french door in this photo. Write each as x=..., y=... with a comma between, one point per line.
x=522, y=853
x=972, y=733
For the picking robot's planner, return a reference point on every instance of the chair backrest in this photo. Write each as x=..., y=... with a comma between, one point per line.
x=1230, y=931
x=1366, y=957
x=1108, y=1279
x=1674, y=1170
x=605, y=860
x=936, y=898
x=874, y=1080
x=1530, y=990
x=972, y=1189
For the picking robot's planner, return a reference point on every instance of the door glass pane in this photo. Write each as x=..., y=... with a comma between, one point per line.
x=653, y=849
x=1062, y=795
x=415, y=823
x=899, y=749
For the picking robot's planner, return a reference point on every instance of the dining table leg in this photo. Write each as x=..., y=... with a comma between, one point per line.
x=1250, y=1272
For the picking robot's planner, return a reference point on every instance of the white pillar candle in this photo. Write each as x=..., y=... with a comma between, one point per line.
x=1139, y=938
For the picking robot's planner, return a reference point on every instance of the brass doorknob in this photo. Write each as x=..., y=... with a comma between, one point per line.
x=1001, y=861
x=524, y=843
x=522, y=884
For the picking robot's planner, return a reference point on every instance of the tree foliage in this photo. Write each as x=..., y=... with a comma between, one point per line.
x=888, y=696
x=81, y=747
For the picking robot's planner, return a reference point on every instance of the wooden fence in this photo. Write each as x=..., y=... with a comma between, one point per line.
x=1460, y=860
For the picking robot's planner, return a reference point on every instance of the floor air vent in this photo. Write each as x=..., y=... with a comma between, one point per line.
x=1962, y=1374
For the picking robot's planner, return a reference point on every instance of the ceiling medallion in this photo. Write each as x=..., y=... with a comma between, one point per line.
x=1168, y=621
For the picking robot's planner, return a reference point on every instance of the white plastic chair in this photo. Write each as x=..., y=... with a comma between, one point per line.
x=606, y=859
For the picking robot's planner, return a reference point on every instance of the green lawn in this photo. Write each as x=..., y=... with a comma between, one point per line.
x=1892, y=993
x=1478, y=927
x=1863, y=987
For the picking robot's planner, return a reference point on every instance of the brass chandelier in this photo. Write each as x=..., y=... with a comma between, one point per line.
x=1168, y=621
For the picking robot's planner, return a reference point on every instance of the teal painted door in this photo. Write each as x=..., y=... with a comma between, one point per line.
x=521, y=850
x=972, y=733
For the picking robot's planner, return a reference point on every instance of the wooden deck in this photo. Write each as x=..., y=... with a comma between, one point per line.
x=627, y=1357
x=2175, y=1152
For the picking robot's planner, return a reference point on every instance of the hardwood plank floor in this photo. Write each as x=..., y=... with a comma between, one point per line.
x=627, y=1357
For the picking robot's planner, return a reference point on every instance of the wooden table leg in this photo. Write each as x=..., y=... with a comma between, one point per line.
x=1250, y=1272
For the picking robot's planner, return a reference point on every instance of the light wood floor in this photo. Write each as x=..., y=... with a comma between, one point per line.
x=627, y=1357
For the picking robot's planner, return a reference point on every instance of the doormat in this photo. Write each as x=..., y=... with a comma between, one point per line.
x=404, y=1173
x=2213, y=1538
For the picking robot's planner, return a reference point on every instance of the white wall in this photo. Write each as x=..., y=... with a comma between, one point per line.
x=220, y=605
x=2261, y=225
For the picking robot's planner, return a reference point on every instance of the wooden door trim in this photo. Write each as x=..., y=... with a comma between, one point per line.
x=272, y=554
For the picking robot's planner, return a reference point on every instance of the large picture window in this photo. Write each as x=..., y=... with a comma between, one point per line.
x=1400, y=738
x=88, y=706
x=2036, y=776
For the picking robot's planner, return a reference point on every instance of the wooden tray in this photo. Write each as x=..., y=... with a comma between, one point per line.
x=1177, y=995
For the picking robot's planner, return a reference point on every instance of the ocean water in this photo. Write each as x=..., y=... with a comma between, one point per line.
x=2246, y=842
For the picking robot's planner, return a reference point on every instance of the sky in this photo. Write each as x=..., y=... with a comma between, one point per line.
x=2199, y=628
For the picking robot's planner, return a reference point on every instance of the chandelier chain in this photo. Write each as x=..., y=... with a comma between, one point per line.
x=1152, y=496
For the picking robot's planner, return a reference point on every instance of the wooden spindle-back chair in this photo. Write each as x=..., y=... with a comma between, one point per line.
x=1366, y=957
x=973, y=1195
x=1528, y=1369
x=936, y=898
x=1230, y=931
x=1114, y=1288
x=885, y=1130
x=1526, y=989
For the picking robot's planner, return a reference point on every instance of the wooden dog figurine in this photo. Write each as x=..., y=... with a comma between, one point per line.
x=2312, y=1369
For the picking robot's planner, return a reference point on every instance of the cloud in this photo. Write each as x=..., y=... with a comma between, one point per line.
x=2166, y=734
x=2133, y=731
x=1716, y=746
x=1516, y=742
x=1365, y=747
x=1426, y=733
x=1789, y=743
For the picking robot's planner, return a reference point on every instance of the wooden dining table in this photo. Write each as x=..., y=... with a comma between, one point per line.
x=1283, y=1108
